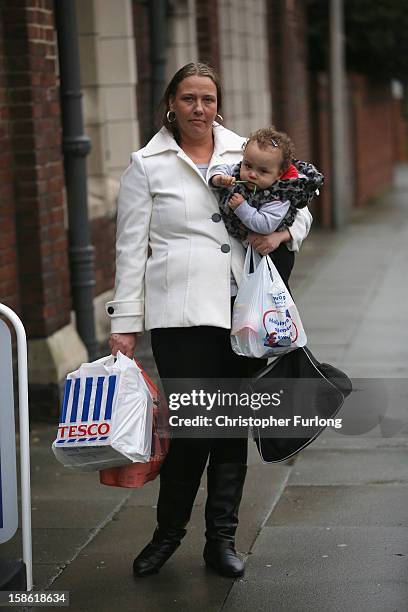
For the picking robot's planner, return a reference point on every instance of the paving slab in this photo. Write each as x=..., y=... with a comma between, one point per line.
x=73, y=512
x=371, y=466
x=141, y=496
x=299, y=569
x=111, y=552
x=48, y=514
x=263, y=487
x=332, y=506
x=373, y=439
x=182, y=584
x=50, y=546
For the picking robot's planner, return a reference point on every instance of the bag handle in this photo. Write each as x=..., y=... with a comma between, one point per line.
x=252, y=260
x=98, y=366
x=271, y=267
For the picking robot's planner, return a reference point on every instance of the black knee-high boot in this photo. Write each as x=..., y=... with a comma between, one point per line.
x=176, y=499
x=225, y=486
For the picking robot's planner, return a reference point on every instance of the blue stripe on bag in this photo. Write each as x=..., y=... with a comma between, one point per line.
x=98, y=398
x=75, y=401
x=109, y=399
x=87, y=399
x=81, y=440
x=67, y=391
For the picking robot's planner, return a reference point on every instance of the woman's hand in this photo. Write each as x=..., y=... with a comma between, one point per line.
x=125, y=343
x=266, y=244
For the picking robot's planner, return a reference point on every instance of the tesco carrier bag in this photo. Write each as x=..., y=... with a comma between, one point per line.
x=265, y=320
x=138, y=474
x=106, y=416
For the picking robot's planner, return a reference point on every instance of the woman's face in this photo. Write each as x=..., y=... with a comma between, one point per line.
x=195, y=105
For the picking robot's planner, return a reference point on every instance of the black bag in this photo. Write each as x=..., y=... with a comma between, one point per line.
x=308, y=388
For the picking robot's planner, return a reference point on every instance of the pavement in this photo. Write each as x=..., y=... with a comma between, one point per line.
x=325, y=533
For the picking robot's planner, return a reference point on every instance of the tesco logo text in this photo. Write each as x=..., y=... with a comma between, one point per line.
x=94, y=429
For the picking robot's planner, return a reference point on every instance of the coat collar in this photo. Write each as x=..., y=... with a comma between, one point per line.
x=224, y=140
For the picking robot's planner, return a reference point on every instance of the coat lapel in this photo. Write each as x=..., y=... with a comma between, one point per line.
x=224, y=141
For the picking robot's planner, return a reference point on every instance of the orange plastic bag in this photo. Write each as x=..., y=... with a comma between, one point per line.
x=137, y=474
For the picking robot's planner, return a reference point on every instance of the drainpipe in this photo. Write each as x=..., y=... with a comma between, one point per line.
x=76, y=146
x=338, y=116
x=158, y=38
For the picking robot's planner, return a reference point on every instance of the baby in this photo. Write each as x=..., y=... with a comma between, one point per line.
x=263, y=192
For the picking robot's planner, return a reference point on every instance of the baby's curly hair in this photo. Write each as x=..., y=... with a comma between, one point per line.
x=270, y=137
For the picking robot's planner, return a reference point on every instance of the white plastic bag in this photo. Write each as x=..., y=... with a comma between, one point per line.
x=106, y=416
x=265, y=320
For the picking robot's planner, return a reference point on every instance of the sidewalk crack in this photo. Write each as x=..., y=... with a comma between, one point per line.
x=94, y=532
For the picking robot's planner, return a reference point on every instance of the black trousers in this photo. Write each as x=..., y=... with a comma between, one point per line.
x=284, y=261
x=200, y=352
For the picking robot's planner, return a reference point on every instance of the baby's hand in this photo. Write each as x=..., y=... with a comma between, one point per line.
x=235, y=200
x=223, y=180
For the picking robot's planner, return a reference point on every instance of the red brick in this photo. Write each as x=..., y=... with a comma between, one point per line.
x=5, y=159
x=30, y=45
x=8, y=258
x=290, y=92
x=15, y=14
x=22, y=112
x=208, y=32
x=103, y=233
x=24, y=143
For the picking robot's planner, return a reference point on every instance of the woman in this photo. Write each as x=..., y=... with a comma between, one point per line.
x=181, y=290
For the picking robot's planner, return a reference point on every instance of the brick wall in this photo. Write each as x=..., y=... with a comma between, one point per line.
x=9, y=288
x=374, y=154
x=373, y=149
x=34, y=113
x=288, y=72
x=103, y=236
x=400, y=132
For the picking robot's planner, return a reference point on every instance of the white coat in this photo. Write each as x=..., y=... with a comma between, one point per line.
x=164, y=203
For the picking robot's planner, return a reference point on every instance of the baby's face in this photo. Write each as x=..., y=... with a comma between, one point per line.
x=260, y=167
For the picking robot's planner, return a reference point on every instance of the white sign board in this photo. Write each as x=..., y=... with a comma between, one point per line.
x=8, y=477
